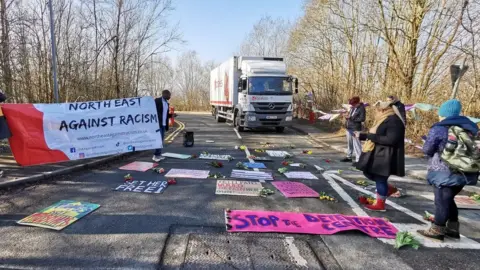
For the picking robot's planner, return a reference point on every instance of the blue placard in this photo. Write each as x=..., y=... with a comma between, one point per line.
x=255, y=165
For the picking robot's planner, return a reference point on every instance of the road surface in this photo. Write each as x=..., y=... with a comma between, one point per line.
x=184, y=227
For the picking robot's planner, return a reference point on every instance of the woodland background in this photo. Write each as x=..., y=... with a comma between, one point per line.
x=371, y=48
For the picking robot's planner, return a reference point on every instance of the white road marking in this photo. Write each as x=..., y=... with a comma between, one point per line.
x=464, y=243
x=238, y=134
x=294, y=252
x=247, y=152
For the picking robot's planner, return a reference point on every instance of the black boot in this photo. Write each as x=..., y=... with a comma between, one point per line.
x=435, y=232
x=453, y=229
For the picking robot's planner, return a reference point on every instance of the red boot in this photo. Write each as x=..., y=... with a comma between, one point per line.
x=378, y=206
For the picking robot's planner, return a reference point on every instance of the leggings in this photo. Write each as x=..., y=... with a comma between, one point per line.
x=445, y=207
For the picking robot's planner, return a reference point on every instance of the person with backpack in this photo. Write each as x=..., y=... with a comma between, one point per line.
x=454, y=161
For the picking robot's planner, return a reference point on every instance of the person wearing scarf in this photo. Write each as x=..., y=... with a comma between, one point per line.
x=383, y=153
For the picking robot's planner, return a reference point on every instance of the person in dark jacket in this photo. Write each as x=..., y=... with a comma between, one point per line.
x=355, y=118
x=446, y=182
x=163, y=118
x=383, y=153
x=401, y=107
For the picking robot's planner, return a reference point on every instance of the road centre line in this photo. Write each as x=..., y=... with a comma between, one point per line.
x=238, y=134
x=294, y=253
x=247, y=152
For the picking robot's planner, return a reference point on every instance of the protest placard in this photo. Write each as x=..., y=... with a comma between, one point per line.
x=49, y=133
x=156, y=187
x=139, y=166
x=59, y=215
x=294, y=189
x=254, y=165
x=215, y=157
x=306, y=223
x=232, y=187
x=273, y=153
x=175, y=155
x=300, y=175
x=181, y=173
x=251, y=175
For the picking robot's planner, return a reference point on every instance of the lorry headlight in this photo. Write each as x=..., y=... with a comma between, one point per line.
x=248, y=108
x=252, y=118
x=288, y=118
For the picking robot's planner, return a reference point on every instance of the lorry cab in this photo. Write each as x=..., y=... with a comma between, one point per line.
x=263, y=96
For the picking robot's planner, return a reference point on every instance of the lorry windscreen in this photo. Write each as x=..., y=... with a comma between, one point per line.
x=269, y=86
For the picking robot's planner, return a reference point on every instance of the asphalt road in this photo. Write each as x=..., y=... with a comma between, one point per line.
x=185, y=226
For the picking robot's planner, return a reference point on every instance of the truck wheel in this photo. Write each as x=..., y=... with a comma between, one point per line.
x=237, y=124
x=279, y=129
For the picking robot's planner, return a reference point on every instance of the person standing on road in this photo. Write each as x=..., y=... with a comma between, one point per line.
x=163, y=118
x=401, y=107
x=355, y=118
x=447, y=182
x=383, y=153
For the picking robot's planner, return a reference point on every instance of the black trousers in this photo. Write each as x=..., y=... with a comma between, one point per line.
x=445, y=207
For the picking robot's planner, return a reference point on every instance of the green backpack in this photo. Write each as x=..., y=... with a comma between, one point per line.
x=461, y=153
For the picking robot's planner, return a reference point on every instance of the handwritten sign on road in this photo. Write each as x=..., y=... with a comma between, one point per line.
x=244, y=188
x=295, y=189
x=306, y=223
x=156, y=187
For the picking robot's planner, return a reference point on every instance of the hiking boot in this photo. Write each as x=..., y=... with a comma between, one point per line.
x=347, y=159
x=452, y=229
x=378, y=206
x=435, y=233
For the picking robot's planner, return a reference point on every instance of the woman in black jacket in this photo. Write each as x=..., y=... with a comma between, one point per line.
x=383, y=153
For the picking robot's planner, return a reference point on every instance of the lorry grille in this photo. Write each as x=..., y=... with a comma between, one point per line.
x=265, y=107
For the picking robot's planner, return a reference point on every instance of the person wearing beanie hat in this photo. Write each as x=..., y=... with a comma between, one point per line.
x=354, y=122
x=446, y=182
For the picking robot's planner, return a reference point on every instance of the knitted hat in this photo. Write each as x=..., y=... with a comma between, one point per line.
x=451, y=107
x=354, y=101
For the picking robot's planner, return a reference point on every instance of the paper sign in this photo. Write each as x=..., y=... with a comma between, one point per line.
x=174, y=155
x=215, y=157
x=306, y=223
x=254, y=165
x=59, y=215
x=251, y=175
x=277, y=153
x=140, y=166
x=463, y=202
x=156, y=187
x=295, y=189
x=232, y=187
x=300, y=175
x=264, y=159
x=50, y=133
x=180, y=173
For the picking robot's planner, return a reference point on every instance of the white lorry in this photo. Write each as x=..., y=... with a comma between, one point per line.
x=253, y=92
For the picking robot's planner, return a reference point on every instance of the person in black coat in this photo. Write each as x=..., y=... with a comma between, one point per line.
x=354, y=122
x=164, y=115
x=383, y=153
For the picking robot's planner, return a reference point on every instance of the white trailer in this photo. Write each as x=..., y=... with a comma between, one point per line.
x=253, y=92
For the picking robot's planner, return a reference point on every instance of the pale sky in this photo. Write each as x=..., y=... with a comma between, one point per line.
x=216, y=28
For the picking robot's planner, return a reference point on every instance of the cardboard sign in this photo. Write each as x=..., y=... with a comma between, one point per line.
x=156, y=187
x=175, y=155
x=244, y=188
x=463, y=202
x=255, y=165
x=295, y=189
x=59, y=215
x=50, y=133
x=140, y=166
x=215, y=157
x=181, y=173
x=251, y=175
x=306, y=223
x=277, y=153
x=300, y=175
x=264, y=159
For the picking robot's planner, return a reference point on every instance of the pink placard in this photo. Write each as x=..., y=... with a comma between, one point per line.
x=306, y=223
x=295, y=189
x=140, y=166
